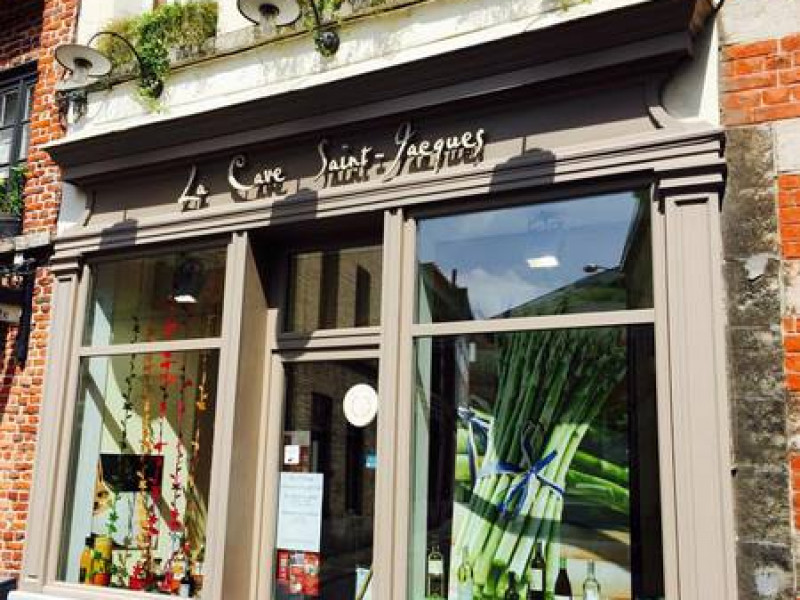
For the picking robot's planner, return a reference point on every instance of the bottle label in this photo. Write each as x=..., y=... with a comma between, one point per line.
x=537, y=580
x=562, y=597
x=436, y=567
x=464, y=591
x=185, y=591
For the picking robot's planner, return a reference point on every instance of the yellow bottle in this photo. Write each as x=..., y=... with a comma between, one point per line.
x=86, y=562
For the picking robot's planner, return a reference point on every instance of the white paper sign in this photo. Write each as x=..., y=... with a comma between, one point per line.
x=300, y=511
x=291, y=454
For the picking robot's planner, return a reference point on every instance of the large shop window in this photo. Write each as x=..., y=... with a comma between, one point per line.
x=139, y=470
x=535, y=468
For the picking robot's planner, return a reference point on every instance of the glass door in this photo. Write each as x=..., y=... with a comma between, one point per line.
x=328, y=463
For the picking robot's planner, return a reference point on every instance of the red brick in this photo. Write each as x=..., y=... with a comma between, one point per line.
x=751, y=82
x=755, y=49
x=776, y=113
x=789, y=182
x=790, y=43
x=740, y=100
x=748, y=66
x=776, y=96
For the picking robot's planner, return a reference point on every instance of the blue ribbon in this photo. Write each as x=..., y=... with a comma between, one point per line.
x=473, y=421
x=519, y=491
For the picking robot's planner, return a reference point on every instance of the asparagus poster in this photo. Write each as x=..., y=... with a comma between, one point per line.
x=519, y=455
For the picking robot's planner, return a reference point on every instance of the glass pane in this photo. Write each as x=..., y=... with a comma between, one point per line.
x=536, y=464
x=24, y=142
x=173, y=296
x=28, y=101
x=582, y=255
x=6, y=138
x=327, y=490
x=140, y=469
x=9, y=112
x=335, y=288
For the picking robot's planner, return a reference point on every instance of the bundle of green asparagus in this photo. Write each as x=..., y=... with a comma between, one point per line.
x=551, y=386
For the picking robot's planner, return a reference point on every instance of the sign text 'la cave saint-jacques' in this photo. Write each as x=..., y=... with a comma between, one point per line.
x=354, y=165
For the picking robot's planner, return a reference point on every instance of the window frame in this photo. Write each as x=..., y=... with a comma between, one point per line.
x=222, y=431
x=24, y=83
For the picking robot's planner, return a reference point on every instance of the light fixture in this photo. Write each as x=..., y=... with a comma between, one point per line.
x=547, y=261
x=270, y=14
x=188, y=281
x=85, y=66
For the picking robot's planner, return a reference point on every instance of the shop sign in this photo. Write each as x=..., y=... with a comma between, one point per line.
x=354, y=165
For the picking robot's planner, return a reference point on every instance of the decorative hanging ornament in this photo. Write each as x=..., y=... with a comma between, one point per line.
x=360, y=405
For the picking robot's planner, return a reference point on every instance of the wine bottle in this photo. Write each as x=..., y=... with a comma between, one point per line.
x=464, y=576
x=511, y=590
x=563, y=589
x=435, y=577
x=591, y=587
x=537, y=575
x=186, y=585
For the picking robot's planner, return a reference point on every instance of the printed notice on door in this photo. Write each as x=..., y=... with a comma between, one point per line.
x=300, y=511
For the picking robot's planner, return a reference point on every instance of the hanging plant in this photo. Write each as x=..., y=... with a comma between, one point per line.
x=171, y=28
x=12, y=188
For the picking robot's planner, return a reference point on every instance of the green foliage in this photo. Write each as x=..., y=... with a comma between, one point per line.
x=12, y=200
x=179, y=27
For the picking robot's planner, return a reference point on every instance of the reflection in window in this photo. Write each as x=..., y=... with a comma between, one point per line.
x=322, y=448
x=537, y=442
x=139, y=473
x=335, y=289
x=166, y=297
x=583, y=255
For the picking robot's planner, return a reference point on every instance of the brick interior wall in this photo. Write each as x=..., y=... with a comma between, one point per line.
x=29, y=31
x=760, y=103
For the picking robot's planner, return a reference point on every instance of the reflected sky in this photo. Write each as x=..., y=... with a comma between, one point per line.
x=508, y=257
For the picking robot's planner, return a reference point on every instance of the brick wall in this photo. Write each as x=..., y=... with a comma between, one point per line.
x=760, y=104
x=761, y=81
x=29, y=30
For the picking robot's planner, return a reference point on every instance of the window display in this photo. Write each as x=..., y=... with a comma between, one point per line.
x=327, y=483
x=536, y=466
x=140, y=461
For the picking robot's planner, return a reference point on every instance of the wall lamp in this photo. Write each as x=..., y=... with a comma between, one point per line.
x=271, y=14
x=86, y=66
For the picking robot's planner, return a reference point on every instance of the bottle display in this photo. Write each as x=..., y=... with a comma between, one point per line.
x=536, y=578
x=591, y=587
x=563, y=589
x=464, y=576
x=511, y=590
x=435, y=574
x=86, y=561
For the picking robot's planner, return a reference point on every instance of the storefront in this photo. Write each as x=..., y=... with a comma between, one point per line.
x=456, y=333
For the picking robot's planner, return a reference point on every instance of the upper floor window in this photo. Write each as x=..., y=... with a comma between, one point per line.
x=16, y=103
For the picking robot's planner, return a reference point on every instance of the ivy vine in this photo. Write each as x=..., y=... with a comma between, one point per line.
x=181, y=28
x=12, y=188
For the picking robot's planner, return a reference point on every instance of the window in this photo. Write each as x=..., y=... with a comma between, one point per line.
x=140, y=462
x=535, y=448
x=16, y=103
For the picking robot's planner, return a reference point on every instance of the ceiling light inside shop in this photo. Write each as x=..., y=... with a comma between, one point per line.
x=188, y=282
x=548, y=261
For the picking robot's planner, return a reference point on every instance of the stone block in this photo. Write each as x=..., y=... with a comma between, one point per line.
x=760, y=431
x=756, y=364
x=749, y=220
x=753, y=287
x=769, y=518
x=748, y=21
x=765, y=571
x=787, y=143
